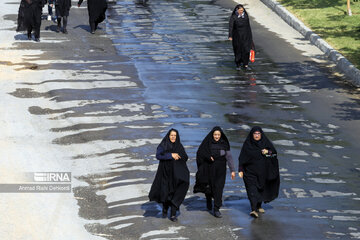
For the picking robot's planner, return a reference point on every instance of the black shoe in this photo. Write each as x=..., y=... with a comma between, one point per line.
x=92, y=31
x=58, y=29
x=173, y=219
x=65, y=31
x=37, y=39
x=217, y=214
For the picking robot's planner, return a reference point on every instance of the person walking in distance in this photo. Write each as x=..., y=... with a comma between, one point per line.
x=241, y=37
x=62, y=9
x=96, y=10
x=29, y=17
x=50, y=9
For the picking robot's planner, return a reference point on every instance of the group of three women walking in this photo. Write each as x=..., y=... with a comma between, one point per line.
x=30, y=13
x=258, y=166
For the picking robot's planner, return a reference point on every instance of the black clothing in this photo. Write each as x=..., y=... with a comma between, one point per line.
x=29, y=17
x=211, y=175
x=261, y=172
x=240, y=32
x=65, y=20
x=62, y=8
x=172, y=178
x=96, y=10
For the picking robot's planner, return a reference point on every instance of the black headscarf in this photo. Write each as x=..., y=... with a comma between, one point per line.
x=238, y=7
x=168, y=146
x=204, y=152
x=251, y=147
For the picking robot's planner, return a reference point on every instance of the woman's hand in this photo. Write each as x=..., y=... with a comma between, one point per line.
x=241, y=174
x=230, y=38
x=212, y=159
x=175, y=156
x=78, y=5
x=264, y=151
x=233, y=175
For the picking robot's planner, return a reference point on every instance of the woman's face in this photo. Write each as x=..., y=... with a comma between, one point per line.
x=217, y=135
x=240, y=11
x=172, y=136
x=257, y=135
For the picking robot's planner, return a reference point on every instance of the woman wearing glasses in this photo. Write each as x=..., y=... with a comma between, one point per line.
x=259, y=168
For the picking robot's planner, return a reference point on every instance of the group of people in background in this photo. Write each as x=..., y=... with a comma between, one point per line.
x=30, y=15
x=258, y=166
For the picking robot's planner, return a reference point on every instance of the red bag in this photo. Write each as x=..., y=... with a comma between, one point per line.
x=252, y=56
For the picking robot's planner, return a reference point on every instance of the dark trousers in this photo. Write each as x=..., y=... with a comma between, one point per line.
x=254, y=196
x=50, y=10
x=179, y=194
x=34, y=14
x=93, y=26
x=65, y=19
x=36, y=30
x=242, y=58
x=218, y=177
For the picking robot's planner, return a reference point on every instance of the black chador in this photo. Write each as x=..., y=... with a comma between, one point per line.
x=172, y=178
x=261, y=170
x=240, y=32
x=211, y=159
x=29, y=17
x=96, y=9
x=62, y=9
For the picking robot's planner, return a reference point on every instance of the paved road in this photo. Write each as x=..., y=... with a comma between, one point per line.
x=104, y=101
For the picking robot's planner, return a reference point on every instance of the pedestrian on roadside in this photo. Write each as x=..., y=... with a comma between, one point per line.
x=62, y=9
x=50, y=9
x=259, y=168
x=29, y=17
x=211, y=158
x=172, y=178
x=241, y=36
x=96, y=10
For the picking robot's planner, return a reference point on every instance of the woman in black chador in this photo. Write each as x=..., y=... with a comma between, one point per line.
x=96, y=9
x=241, y=36
x=29, y=17
x=62, y=8
x=172, y=178
x=259, y=167
x=211, y=158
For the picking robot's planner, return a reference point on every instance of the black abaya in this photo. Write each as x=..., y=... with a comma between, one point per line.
x=96, y=10
x=211, y=175
x=29, y=17
x=172, y=178
x=261, y=172
x=240, y=32
x=62, y=8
